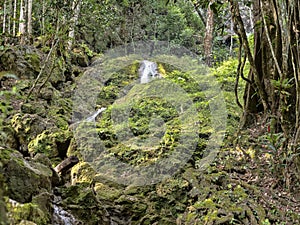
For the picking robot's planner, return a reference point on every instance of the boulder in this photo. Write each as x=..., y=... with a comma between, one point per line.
x=24, y=178
x=27, y=127
x=53, y=144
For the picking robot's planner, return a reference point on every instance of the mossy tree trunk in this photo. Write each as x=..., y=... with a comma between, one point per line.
x=263, y=65
x=273, y=91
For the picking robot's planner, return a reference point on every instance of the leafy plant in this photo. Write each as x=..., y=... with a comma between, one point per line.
x=274, y=141
x=87, y=50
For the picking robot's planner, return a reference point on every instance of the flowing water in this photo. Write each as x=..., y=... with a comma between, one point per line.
x=61, y=216
x=148, y=71
x=95, y=114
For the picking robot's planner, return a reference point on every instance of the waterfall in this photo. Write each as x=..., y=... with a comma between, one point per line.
x=148, y=71
x=95, y=114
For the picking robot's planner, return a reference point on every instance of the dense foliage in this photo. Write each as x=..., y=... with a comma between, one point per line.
x=252, y=50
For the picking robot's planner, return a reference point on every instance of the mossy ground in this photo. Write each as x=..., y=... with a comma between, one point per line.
x=228, y=191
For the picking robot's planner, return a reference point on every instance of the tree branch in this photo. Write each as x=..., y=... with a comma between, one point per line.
x=236, y=17
x=196, y=7
x=54, y=43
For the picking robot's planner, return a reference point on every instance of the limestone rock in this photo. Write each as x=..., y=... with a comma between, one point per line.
x=24, y=178
x=27, y=127
x=52, y=144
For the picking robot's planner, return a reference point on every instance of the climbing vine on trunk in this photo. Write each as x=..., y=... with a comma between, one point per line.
x=272, y=93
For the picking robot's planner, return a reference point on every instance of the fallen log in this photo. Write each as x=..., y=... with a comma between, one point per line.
x=66, y=165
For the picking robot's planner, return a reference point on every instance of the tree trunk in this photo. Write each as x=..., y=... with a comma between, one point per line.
x=275, y=71
x=291, y=103
x=43, y=17
x=231, y=38
x=4, y=16
x=14, y=18
x=208, y=39
x=21, y=19
x=29, y=18
x=74, y=20
x=255, y=97
x=9, y=17
x=252, y=103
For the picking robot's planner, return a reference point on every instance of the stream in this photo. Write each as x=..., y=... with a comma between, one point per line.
x=148, y=71
x=61, y=216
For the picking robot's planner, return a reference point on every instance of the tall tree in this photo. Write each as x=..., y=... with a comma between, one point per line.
x=29, y=18
x=14, y=18
x=4, y=16
x=208, y=38
x=9, y=16
x=76, y=10
x=272, y=91
x=43, y=17
x=21, y=19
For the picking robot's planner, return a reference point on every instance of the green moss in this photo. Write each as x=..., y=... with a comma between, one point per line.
x=106, y=192
x=29, y=211
x=52, y=144
x=82, y=172
x=82, y=202
x=5, y=155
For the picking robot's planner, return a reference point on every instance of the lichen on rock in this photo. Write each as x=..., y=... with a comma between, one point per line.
x=24, y=178
x=54, y=144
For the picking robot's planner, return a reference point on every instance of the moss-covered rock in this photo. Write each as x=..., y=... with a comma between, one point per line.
x=52, y=144
x=214, y=196
x=8, y=138
x=27, y=127
x=82, y=202
x=82, y=172
x=57, y=76
x=106, y=192
x=23, y=60
x=28, y=213
x=3, y=217
x=79, y=58
x=24, y=178
x=37, y=107
x=60, y=111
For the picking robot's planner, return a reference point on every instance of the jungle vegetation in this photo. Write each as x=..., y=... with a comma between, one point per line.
x=252, y=47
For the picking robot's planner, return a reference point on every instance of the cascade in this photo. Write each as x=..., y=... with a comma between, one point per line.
x=148, y=71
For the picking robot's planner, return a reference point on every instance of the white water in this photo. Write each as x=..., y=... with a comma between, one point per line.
x=95, y=114
x=61, y=216
x=148, y=71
